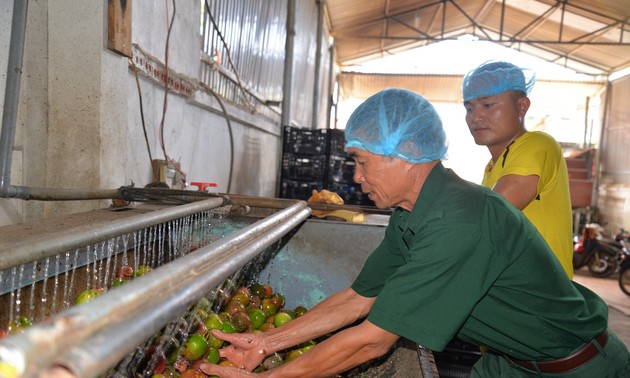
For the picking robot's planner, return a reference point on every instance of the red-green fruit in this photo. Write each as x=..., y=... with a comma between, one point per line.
x=88, y=295
x=292, y=355
x=241, y=321
x=234, y=307
x=213, y=356
x=258, y=290
x=299, y=311
x=3, y=334
x=257, y=317
x=241, y=298
x=282, y=318
x=278, y=300
x=213, y=321
x=268, y=307
x=18, y=324
x=268, y=291
x=195, y=347
x=266, y=326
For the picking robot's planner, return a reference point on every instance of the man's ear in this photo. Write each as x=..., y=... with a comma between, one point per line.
x=523, y=103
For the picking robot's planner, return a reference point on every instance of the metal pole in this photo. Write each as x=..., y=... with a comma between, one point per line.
x=602, y=142
x=90, y=358
x=114, y=323
x=287, y=83
x=26, y=251
x=317, y=93
x=12, y=93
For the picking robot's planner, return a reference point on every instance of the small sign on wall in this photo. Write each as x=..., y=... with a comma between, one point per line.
x=119, y=26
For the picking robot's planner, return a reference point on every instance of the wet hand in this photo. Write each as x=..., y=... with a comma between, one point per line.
x=246, y=350
x=224, y=371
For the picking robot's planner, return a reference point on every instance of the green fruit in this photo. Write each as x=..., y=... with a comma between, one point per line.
x=282, y=318
x=257, y=317
x=142, y=270
x=18, y=324
x=195, y=347
x=88, y=295
x=118, y=281
x=213, y=321
x=292, y=355
x=228, y=327
x=214, y=342
x=213, y=356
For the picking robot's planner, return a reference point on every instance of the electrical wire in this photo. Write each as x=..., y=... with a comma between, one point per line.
x=230, y=61
x=227, y=118
x=144, y=127
x=164, y=106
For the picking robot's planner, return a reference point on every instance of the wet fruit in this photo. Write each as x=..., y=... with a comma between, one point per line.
x=295, y=353
x=213, y=356
x=299, y=311
x=18, y=324
x=213, y=321
x=257, y=317
x=268, y=307
x=282, y=318
x=88, y=295
x=142, y=270
x=195, y=347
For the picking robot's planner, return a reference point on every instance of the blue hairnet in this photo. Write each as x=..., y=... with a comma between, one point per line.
x=397, y=123
x=492, y=78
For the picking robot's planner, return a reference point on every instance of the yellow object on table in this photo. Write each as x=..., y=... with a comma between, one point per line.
x=326, y=196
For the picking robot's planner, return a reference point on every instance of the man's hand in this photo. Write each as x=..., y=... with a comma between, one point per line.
x=225, y=371
x=246, y=350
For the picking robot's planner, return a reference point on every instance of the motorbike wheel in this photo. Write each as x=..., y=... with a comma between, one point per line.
x=602, y=264
x=624, y=280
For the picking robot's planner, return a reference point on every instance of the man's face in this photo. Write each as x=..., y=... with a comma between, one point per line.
x=382, y=178
x=495, y=121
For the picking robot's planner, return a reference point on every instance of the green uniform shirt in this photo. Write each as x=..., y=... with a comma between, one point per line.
x=466, y=263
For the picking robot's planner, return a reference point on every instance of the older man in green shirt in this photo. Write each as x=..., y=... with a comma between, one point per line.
x=456, y=260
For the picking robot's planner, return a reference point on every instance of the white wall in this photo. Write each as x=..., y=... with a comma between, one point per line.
x=79, y=123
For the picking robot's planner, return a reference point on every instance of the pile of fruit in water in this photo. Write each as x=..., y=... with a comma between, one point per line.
x=254, y=308
x=124, y=274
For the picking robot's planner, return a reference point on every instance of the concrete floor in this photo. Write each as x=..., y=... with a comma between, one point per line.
x=618, y=302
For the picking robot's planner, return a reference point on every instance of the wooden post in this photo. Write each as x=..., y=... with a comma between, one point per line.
x=119, y=26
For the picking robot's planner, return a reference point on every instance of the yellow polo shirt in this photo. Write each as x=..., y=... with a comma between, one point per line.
x=537, y=153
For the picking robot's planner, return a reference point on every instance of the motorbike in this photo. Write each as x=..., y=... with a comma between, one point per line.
x=600, y=254
x=624, y=266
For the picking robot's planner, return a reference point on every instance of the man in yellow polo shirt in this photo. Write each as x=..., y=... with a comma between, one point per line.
x=526, y=168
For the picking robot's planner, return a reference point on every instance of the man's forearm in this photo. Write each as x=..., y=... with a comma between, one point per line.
x=338, y=310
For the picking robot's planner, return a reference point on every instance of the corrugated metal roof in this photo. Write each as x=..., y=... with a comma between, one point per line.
x=591, y=37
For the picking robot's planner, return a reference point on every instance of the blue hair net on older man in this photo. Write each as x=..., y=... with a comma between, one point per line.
x=492, y=78
x=397, y=123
